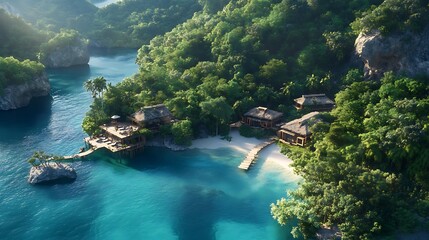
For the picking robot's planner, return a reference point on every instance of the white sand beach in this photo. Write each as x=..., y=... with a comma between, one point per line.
x=271, y=156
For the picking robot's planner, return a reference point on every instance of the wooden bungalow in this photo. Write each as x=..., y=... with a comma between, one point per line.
x=297, y=132
x=262, y=117
x=152, y=116
x=314, y=102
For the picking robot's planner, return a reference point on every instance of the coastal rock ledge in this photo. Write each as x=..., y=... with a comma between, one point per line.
x=51, y=171
x=17, y=96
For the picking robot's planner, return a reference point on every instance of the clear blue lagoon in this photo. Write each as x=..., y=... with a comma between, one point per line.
x=193, y=194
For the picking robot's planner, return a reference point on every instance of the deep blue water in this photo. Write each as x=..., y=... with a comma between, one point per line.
x=193, y=194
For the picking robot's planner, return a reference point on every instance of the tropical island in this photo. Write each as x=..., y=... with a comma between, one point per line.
x=343, y=85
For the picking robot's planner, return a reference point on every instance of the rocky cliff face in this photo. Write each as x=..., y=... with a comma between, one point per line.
x=405, y=53
x=50, y=172
x=69, y=55
x=16, y=96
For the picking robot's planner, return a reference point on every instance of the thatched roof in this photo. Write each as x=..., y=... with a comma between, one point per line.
x=263, y=113
x=314, y=99
x=302, y=125
x=151, y=113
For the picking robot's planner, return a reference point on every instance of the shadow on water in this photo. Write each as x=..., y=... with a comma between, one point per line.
x=68, y=80
x=196, y=214
x=111, y=52
x=18, y=123
x=60, y=181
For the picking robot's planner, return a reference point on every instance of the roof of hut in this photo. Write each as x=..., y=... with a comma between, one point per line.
x=263, y=113
x=313, y=99
x=151, y=113
x=302, y=125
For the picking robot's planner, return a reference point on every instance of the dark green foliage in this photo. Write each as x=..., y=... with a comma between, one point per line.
x=17, y=38
x=52, y=15
x=131, y=23
x=15, y=72
x=394, y=16
x=182, y=132
x=368, y=172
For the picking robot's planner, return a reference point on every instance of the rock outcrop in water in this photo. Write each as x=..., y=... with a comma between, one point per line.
x=165, y=142
x=66, y=55
x=406, y=53
x=17, y=96
x=51, y=171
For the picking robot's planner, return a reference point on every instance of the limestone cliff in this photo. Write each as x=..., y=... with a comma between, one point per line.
x=16, y=96
x=66, y=55
x=406, y=53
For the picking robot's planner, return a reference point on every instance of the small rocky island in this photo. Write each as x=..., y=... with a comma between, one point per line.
x=66, y=49
x=21, y=81
x=51, y=171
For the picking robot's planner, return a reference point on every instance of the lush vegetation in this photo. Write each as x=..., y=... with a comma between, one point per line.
x=14, y=72
x=367, y=171
x=52, y=15
x=394, y=16
x=131, y=23
x=17, y=38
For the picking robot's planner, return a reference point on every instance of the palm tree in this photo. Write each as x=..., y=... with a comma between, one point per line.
x=99, y=84
x=89, y=86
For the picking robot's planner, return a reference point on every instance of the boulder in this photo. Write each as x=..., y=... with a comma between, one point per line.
x=17, y=96
x=406, y=53
x=51, y=171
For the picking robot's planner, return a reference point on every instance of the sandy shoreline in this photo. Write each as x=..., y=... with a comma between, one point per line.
x=271, y=156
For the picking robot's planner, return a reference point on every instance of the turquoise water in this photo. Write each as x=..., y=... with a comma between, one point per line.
x=193, y=194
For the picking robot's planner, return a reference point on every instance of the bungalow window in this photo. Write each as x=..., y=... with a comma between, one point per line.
x=300, y=141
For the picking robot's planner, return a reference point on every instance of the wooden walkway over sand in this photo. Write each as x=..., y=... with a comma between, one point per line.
x=253, y=154
x=80, y=155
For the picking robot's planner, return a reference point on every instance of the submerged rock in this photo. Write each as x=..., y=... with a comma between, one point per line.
x=165, y=142
x=17, y=96
x=51, y=171
x=406, y=53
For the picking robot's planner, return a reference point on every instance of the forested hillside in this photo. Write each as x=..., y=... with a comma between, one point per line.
x=130, y=23
x=17, y=38
x=51, y=14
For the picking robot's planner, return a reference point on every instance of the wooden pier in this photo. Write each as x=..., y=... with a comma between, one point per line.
x=253, y=155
